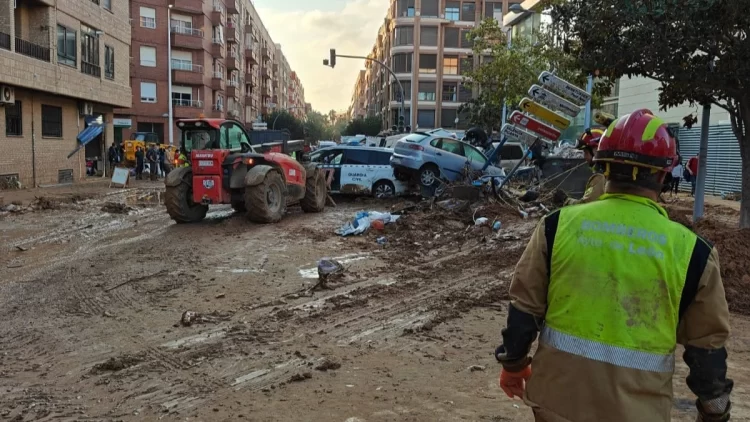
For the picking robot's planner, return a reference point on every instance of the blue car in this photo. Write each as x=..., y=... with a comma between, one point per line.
x=429, y=157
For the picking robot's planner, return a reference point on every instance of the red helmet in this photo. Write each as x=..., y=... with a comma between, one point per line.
x=638, y=139
x=589, y=139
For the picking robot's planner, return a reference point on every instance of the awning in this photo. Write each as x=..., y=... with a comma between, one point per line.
x=87, y=135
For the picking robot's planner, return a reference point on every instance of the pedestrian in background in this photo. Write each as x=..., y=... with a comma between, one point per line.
x=162, y=160
x=139, y=161
x=113, y=156
x=692, y=168
x=676, y=177
x=152, y=156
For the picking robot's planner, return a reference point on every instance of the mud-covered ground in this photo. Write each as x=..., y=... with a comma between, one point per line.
x=93, y=291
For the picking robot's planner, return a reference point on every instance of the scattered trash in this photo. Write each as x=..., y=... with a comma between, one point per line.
x=363, y=221
x=45, y=203
x=116, y=208
x=22, y=248
x=382, y=240
x=454, y=205
x=378, y=225
x=15, y=265
x=524, y=214
x=481, y=221
x=300, y=377
x=189, y=318
x=475, y=368
x=326, y=364
x=221, y=295
x=118, y=363
x=12, y=208
x=496, y=226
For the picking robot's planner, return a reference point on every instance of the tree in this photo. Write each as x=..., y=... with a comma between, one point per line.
x=505, y=73
x=698, y=50
x=286, y=121
x=369, y=126
x=317, y=127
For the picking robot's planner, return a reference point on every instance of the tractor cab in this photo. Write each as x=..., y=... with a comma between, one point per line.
x=213, y=134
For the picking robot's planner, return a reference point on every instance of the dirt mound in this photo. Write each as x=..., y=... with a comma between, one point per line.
x=118, y=363
x=116, y=208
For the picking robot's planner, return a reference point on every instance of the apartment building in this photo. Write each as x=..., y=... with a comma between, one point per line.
x=59, y=61
x=297, y=97
x=424, y=42
x=223, y=63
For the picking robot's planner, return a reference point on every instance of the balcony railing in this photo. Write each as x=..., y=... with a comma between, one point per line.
x=91, y=69
x=186, y=66
x=4, y=41
x=218, y=75
x=218, y=7
x=188, y=103
x=233, y=83
x=30, y=49
x=218, y=107
x=218, y=41
x=186, y=30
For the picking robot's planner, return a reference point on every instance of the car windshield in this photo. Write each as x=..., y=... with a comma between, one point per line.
x=200, y=138
x=415, y=137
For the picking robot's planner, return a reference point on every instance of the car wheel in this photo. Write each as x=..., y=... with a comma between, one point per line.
x=383, y=189
x=429, y=175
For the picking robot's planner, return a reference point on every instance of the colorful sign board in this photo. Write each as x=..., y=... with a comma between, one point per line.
x=558, y=121
x=535, y=126
x=565, y=88
x=518, y=134
x=553, y=101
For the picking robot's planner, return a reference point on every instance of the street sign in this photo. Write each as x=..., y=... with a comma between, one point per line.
x=558, y=121
x=518, y=134
x=535, y=125
x=567, y=89
x=553, y=101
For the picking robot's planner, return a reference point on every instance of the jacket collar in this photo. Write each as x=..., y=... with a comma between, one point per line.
x=637, y=199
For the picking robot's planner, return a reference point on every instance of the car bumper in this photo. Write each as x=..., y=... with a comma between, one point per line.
x=405, y=164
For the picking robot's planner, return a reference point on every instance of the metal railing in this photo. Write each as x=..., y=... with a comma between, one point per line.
x=233, y=83
x=91, y=69
x=188, y=103
x=218, y=107
x=178, y=28
x=234, y=54
x=186, y=66
x=4, y=41
x=218, y=75
x=30, y=49
x=218, y=7
x=147, y=22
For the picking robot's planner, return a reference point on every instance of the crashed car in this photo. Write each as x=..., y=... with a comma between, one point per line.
x=359, y=170
x=428, y=158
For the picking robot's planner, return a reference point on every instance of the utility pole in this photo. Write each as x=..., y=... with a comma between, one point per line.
x=587, y=117
x=169, y=74
x=332, y=63
x=700, y=187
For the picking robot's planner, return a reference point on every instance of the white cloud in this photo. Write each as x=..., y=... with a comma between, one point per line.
x=307, y=36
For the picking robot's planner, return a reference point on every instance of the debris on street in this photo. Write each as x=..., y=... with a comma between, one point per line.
x=116, y=208
x=363, y=221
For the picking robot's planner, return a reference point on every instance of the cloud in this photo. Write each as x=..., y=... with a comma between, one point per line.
x=307, y=36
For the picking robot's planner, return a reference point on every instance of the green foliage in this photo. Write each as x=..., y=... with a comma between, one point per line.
x=506, y=73
x=370, y=126
x=285, y=120
x=698, y=50
x=317, y=127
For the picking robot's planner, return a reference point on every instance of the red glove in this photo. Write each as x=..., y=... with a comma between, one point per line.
x=514, y=383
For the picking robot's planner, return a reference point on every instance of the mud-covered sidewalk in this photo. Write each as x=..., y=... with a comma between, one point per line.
x=112, y=312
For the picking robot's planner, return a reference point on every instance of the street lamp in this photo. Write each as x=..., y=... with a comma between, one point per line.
x=169, y=73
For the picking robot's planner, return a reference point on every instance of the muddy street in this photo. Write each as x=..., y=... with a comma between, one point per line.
x=113, y=312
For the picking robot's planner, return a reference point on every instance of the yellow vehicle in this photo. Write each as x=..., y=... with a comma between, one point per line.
x=144, y=140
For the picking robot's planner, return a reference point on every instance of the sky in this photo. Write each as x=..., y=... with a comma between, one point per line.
x=308, y=29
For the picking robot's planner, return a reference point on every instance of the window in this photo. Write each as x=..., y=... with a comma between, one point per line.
x=430, y=8
x=148, y=56
x=404, y=35
x=402, y=62
x=406, y=8
x=51, y=121
x=426, y=119
x=13, y=120
x=427, y=63
x=450, y=65
x=448, y=117
x=452, y=146
x=397, y=91
x=429, y=36
x=331, y=157
x=452, y=10
x=107, y=4
x=451, y=38
x=357, y=157
x=90, y=52
x=182, y=96
x=511, y=152
x=467, y=64
x=464, y=93
x=468, y=11
x=449, y=92
x=466, y=41
x=474, y=155
x=66, y=46
x=379, y=158
x=426, y=91
x=148, y=92
x=237, y=137
x=494, y=10
x=109, y=62
x=148, y=17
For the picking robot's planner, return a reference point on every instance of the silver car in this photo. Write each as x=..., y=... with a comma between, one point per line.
x=429, y=157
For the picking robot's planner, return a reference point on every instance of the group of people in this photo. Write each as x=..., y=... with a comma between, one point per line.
x=689, y=173
x=609, y=285
x=158, y=159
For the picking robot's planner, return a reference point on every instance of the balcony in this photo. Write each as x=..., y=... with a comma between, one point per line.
x=231, y=6
x=187, y=73
x=89, y=68
x=265, y=54
x=251, y=57
x=231, y=33
x=233, y=89
x=187, y=109
x=4, y=41
x=30, y=49
x=217, y=49
x=250, y=101
x=248, y=28
x=265, y=91
x=275, y=68
x=233, y=61
x=265, y=73
x=186, y=37
x=251, y=79
x=217, y=15
x=189, y=6
x=217, y=82
x=216, y=112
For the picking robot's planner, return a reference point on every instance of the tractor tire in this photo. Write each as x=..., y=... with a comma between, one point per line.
x=316, y=193
x=266, y=202
x=180, y=205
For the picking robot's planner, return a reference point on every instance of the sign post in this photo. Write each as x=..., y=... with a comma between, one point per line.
x=557, y=120
x=534, y=125
x=554, y=101
x=565, y=88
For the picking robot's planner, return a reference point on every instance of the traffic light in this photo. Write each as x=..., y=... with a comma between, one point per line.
x=401, y=124
x=332, y=61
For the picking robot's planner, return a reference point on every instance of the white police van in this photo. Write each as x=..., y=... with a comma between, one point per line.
x=359, y=170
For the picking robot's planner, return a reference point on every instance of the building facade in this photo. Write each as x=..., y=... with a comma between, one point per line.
x=424, y=42
x=60, y=61
x=224, y=64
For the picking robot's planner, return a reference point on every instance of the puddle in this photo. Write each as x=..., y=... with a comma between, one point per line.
x=238, y=270
x=343, y=259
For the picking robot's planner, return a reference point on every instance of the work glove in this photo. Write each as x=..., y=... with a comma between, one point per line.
x=559, y=197
x=712, y=412
x=514, y=383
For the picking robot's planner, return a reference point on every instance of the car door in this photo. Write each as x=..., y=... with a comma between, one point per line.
x=380, y=166
x=476, y=159
x=330, y=162
x=449, y=156
x=355, y=176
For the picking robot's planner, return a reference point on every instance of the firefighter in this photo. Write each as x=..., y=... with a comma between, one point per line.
x=588, y=142
x=609, y=325
x=181, y=160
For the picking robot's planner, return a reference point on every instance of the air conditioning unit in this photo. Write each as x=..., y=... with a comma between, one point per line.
x=7, y=95
x=85, y=108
